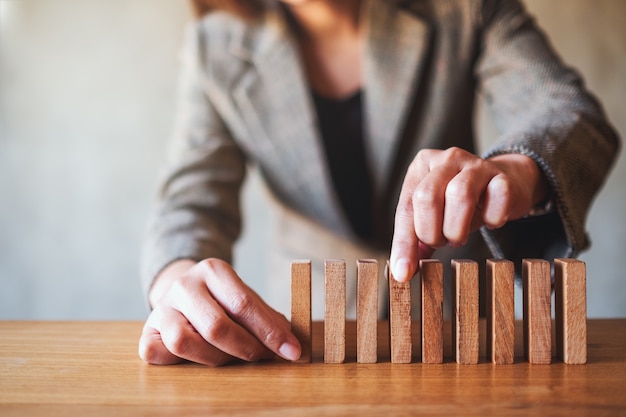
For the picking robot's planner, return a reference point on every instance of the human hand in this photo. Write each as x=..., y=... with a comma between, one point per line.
x=447, y=194
x=204, y=313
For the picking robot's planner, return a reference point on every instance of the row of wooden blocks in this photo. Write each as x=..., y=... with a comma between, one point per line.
x=570, y=311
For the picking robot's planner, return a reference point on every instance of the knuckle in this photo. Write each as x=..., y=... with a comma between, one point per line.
x=242, y=304
x=454, y=153
x=178, y=342
x=272, y=337
x=423, y=155
x=216, y=329
x=501, y=191
x=253, y=355
x=461, y=192
x=460, y=157
x=180, y=288
x=414, y=165
x=149, y=352
x=422, y=160
x=211, y=266
x=425, y=196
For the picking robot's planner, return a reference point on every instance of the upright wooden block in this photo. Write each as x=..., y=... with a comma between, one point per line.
x=537, y=311
x=367, y=311
x=335, y=311
x=399, y=319
x=500, y=311
x=465, y=311
x=432, y=310
x=301, y=307
x=570, y=295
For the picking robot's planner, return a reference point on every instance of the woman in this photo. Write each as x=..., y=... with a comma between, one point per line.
x=359, y=115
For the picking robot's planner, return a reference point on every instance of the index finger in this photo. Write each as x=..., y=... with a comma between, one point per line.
x=406, y=249
x=247, y=309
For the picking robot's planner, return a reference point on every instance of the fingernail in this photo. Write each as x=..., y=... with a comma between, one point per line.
x=401, y=269
x=289, y=351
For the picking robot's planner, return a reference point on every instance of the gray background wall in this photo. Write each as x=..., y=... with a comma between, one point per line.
x=86, y=107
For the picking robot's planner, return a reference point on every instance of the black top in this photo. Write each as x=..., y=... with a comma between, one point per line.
x=341, y=127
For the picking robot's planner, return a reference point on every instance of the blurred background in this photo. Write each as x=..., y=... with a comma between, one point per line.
x=86, y=109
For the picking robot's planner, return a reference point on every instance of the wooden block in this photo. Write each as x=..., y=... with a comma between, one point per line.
x=500, y=311
x=570, y=295
x=367, y=311
x=335, y=311
x=432, y=310
x=465, y=311
x=537, y=311
x=399, y=319
x=301, y=306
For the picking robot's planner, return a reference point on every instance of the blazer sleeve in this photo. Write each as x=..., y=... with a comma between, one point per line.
x=197, y=212
x=542, y=110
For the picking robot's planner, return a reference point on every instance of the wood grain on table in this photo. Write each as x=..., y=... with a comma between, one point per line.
x=92, y=369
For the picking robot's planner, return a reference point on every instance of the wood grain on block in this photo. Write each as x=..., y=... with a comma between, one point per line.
x=367, y=311
x=500, y=311
x=570, y=295
x=537, y=311
x=465, y=311
x=399, y=319
x=431, y=271
x=335, y=311
x=301, y=306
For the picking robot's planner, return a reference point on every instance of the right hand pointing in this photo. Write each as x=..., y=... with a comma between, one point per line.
x=208, y=315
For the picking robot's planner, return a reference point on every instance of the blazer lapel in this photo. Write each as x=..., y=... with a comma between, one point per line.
x=277, y=107
x=278, y=110
x=397, y=42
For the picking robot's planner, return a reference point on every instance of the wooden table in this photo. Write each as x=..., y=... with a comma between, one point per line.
x=92, y=369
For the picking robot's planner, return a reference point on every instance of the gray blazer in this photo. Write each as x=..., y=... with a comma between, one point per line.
x=244, y=99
